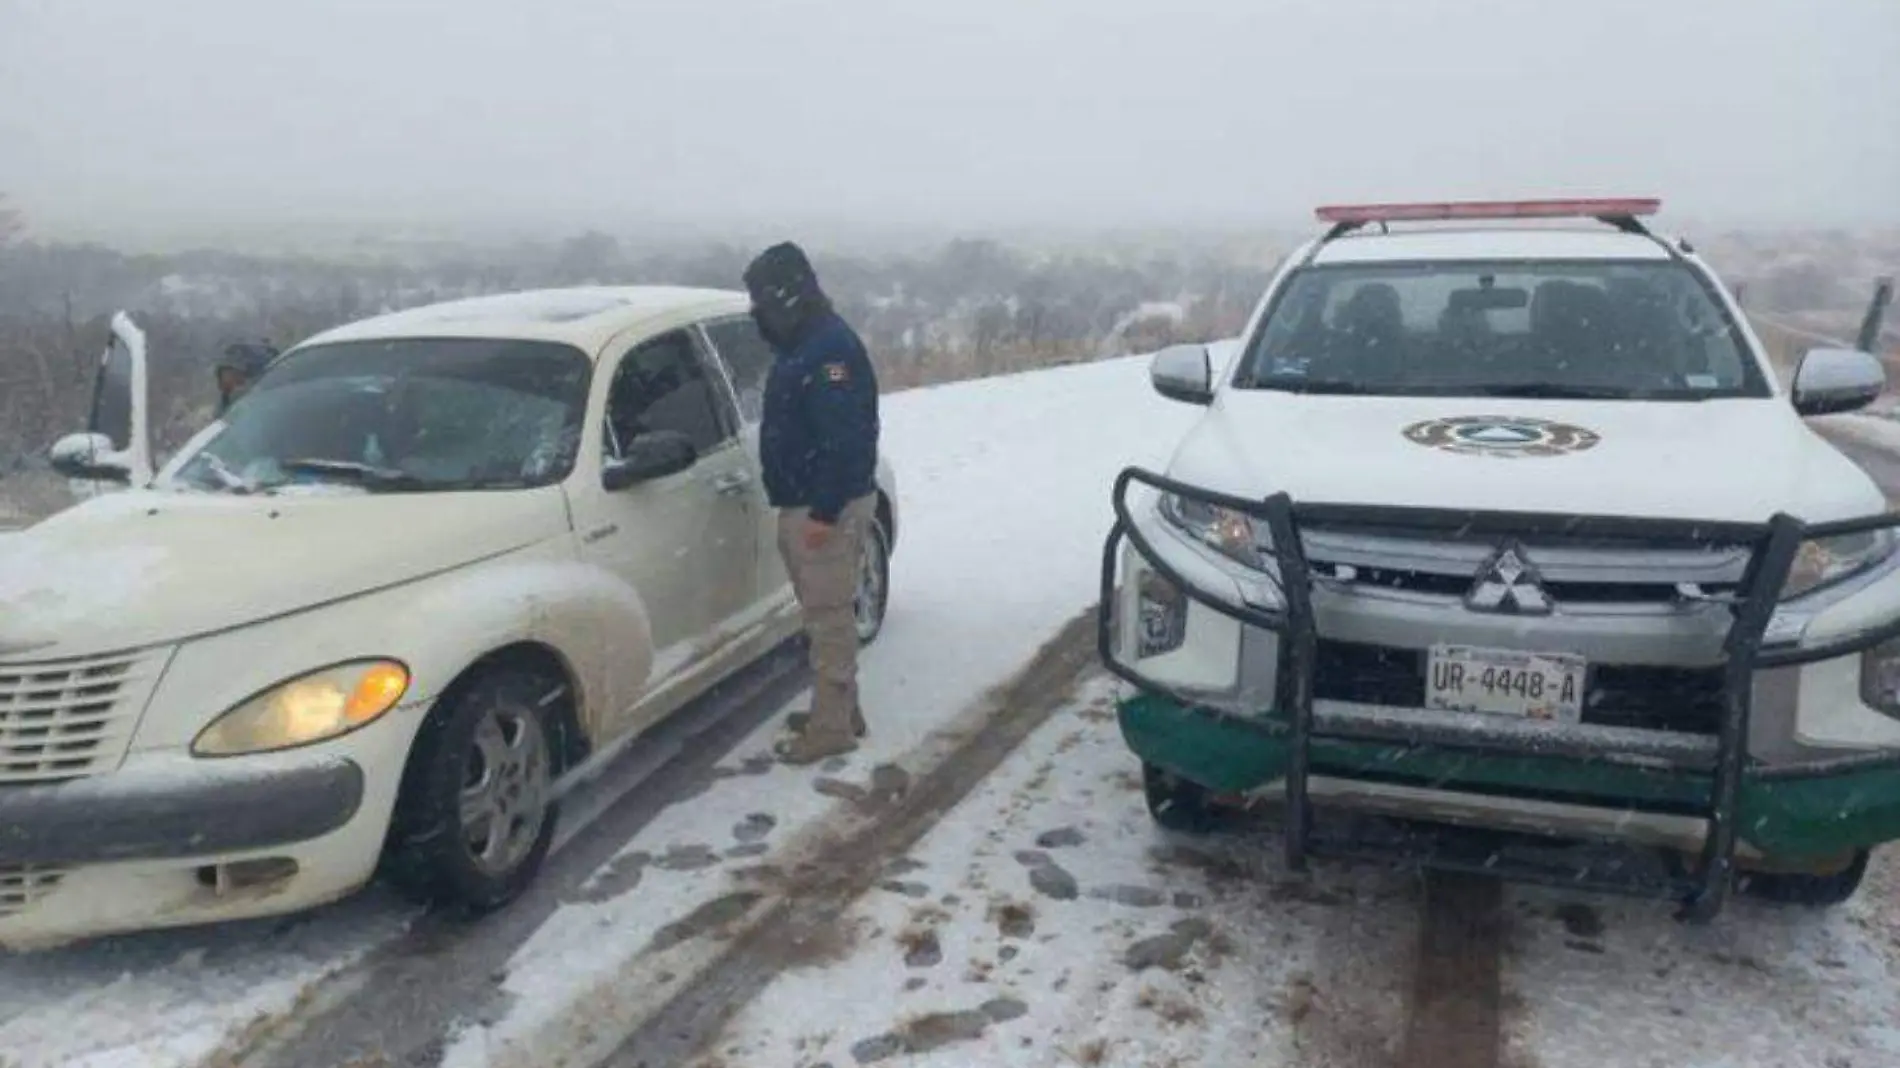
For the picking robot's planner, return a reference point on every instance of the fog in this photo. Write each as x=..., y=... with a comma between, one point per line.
x=214, y=119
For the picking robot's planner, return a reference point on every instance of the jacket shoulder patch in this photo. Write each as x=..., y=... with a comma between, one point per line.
x=837, y=372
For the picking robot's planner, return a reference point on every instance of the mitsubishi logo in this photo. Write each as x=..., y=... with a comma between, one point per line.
x=1508, y=583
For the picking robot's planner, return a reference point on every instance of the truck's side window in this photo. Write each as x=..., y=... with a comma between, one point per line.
x=748, y=357
x=663, y=385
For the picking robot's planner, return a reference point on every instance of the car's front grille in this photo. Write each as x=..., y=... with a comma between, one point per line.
x=66, y=719
x=1688, y=700
x=21, y=887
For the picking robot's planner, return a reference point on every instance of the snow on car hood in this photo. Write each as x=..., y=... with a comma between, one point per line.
x=145, y=567
x=1732, y=459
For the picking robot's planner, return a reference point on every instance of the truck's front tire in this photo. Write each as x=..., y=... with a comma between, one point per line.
x=1176, y=803
x=1800, y=888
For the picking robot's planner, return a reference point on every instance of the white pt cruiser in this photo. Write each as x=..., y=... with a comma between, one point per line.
x=432, y=569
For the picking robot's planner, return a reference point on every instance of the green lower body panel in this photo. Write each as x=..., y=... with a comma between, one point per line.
x=1787, y=819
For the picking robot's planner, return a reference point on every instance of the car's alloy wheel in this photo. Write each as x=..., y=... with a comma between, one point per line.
x=504, y=795
x=474, y=819
x=872, y=596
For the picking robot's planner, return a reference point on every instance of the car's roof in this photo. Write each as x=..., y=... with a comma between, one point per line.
x=584, y=316
x=1481, y=243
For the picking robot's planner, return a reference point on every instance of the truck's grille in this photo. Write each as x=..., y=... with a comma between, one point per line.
x=1562, y=592
x=21, y=887
x=1688, y=700
x=66, y=719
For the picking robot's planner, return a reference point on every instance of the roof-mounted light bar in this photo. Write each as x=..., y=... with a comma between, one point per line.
x=1592, y=208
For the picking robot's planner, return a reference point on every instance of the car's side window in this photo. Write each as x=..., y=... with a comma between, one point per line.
x=663, y=385
x=748, y=357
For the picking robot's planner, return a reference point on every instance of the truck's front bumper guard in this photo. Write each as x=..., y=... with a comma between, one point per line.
x=1773, y=547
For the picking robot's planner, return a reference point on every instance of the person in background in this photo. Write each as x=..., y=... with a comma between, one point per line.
x=818, y=439
x=240, y=365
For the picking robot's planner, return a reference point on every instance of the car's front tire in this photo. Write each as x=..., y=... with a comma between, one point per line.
x=474, y=819
x=1801, y=888
x=872, y=596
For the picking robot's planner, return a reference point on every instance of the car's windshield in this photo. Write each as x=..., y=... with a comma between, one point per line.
x=401, y=415
x=1608, y=330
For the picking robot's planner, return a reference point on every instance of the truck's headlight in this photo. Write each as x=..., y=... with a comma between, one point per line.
x=1234, y=535
x=1822, y=562
x=310, y=708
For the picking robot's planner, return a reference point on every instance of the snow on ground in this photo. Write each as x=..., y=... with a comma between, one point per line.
x=1048, y=921
x=1004, y=488
x=177, y=998
x=1609, y=982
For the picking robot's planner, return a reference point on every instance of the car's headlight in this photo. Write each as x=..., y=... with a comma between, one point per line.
x=1235, y=535
x=306, y=709
x=1821, y=562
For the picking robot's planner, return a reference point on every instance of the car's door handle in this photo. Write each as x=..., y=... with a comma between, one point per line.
x=732, y=482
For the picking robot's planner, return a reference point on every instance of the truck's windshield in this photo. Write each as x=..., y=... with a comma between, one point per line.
x=1596, y=329
x=404, y=415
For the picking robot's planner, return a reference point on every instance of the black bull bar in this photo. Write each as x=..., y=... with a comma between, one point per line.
x=1772, y=545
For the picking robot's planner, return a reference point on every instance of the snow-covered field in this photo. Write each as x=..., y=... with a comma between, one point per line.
x=1004, y=484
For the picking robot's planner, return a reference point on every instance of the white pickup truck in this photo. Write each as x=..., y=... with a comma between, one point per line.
x=1504, y=533
x=431, y=570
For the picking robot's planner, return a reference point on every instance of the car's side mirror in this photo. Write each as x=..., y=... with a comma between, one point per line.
x=1184, y=373
x=89, y=456
x=1837, y=380
x=650, y=456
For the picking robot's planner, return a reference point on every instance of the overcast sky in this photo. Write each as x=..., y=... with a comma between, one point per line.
x=986, y=114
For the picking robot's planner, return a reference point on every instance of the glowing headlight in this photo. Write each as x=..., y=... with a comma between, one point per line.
x=311, y=708
x=1825, y=561
x=1234, y=535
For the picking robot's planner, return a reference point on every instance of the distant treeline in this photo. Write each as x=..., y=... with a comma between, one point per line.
x=967, y=309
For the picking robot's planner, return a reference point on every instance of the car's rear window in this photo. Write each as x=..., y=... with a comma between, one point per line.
x=1637, y=330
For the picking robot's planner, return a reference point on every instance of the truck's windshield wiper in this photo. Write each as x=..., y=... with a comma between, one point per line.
x=1336, y=387
x=1556, y=391
x=369, y=476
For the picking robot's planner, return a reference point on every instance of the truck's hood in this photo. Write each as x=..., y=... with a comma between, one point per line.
x=1740, y=460
x=144, y=567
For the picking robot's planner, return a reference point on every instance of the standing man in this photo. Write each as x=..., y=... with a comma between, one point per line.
x=818, y=451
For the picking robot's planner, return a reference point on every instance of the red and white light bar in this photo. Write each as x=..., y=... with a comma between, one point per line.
x=1490, y=209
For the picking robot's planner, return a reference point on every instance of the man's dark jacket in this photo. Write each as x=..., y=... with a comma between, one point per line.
x=819, y=432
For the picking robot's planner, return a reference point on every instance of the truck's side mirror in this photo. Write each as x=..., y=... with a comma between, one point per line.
x=649, y=456
x=89, y=456
x=1184, y=373
x=1837, y=380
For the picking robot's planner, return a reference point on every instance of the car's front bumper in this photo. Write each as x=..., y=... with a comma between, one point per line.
x=169, y=841
x=206, y=807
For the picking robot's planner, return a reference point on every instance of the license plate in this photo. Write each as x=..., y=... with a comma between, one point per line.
x=1505, y=682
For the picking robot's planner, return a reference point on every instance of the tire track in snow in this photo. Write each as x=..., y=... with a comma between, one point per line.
x=807, y=917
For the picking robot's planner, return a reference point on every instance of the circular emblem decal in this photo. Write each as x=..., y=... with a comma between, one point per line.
x=1501, y=435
